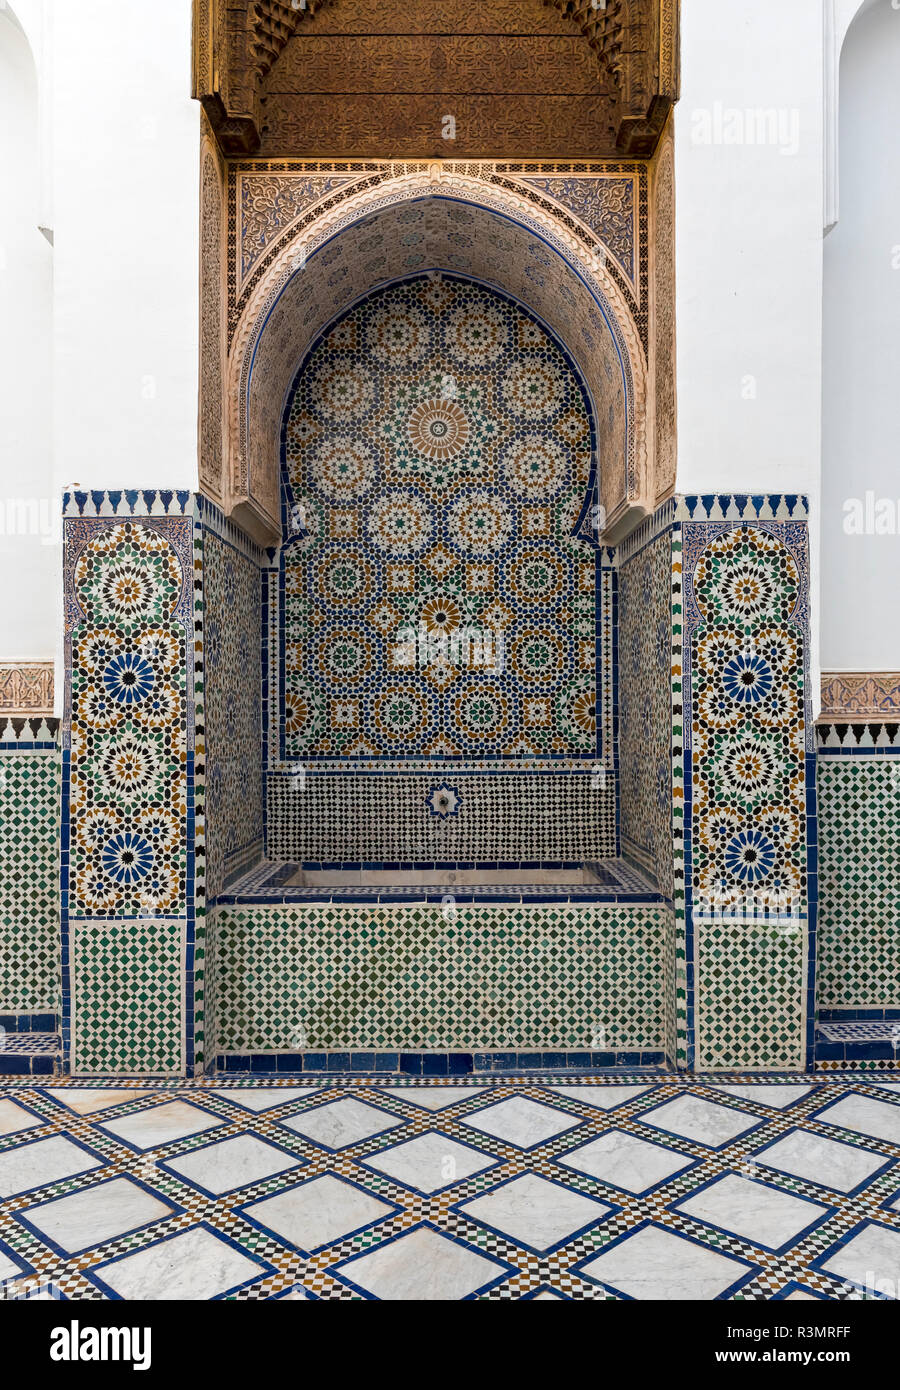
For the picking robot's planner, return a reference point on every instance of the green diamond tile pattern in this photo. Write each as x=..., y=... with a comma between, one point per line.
x=859, y=890
x=428, y=977
x=751, y=1011
x=29, y=882
x=128, y=997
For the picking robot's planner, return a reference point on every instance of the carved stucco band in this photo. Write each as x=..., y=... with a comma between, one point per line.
x=26, y=687
x=849, y=696
x=270, y=340
x=212, y=316
x=663, y=358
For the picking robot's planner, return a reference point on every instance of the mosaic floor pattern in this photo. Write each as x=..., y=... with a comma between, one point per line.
x=638, y=1187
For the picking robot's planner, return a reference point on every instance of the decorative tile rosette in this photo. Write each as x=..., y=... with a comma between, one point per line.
x=438, y=455
x=748, y=726
x=129, y=723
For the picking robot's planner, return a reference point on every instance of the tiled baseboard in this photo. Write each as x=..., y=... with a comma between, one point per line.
x=860, y=1041
x=29, y=1023
x=434, y=1064
x=31, y=1054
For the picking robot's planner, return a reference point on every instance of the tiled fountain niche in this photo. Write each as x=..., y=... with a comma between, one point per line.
x=188, y=944
x=444, y=884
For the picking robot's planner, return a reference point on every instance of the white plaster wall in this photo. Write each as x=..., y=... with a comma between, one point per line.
x=861, y=401
x=749, y=248
x=125, y=162
x=98, y=344
x=28, y=556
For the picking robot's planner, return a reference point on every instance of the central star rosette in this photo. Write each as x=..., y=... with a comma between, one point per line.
x=437, y=431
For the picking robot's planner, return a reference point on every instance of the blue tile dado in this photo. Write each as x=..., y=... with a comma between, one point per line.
x=30, y=1054
x=429, y=1064
x=29, y=1023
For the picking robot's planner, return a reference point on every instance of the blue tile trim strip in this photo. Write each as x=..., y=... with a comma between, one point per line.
x=120, y=504
x=741, y=506
x=432, y=1063
x=29, y=1023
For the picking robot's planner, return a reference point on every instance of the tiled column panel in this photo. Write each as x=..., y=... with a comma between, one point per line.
x=645, y=703
x=128, y=800
x=749, y=783
x=29, y=870
x=228, y=675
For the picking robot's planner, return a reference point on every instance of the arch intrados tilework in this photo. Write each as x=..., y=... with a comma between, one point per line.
x=274, y=333
x=584, y=527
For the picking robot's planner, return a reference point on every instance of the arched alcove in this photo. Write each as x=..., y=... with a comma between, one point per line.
x=460, y=224
x=440, y=594
x=438, y=599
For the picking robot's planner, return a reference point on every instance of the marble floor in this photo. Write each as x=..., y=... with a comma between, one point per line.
x=633, y=1187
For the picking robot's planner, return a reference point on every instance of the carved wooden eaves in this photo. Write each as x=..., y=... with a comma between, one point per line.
x=521, y=78
x=636, y=43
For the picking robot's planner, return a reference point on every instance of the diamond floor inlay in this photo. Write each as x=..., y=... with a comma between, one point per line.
x=521, y=1122
x=430, y=1162
x=423, y=1265
x=95, y=1215
x=341, y=1123
x=838, y=1166
x=655, y=1264
x=629, y=1187
x=626, y=1161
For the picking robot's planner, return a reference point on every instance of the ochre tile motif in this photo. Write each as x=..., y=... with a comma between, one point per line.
x=746, y=722
x=438, y=458
x=128, y=786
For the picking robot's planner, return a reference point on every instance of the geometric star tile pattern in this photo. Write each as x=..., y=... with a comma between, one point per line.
x=364, y=1188
x=745, y=605
x=438, y=454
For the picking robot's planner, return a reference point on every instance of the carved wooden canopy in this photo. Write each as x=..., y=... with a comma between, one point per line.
x=437, y=78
